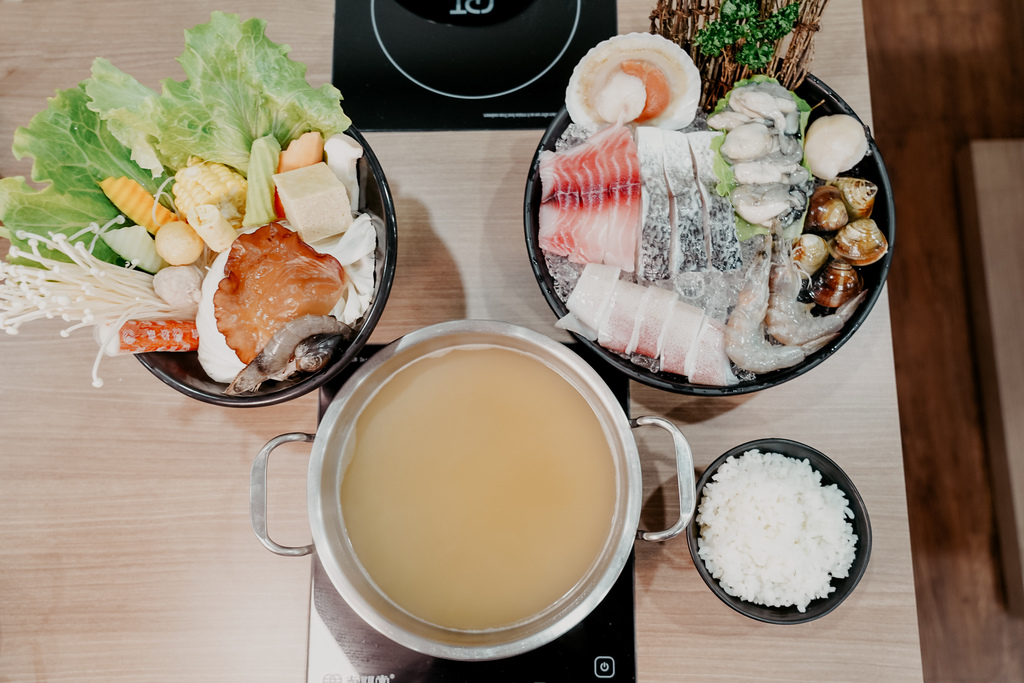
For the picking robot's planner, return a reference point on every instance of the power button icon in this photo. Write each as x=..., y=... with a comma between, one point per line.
x=604, y=667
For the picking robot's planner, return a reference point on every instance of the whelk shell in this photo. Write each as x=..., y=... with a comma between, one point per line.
x=858, y=196
x=826, y=210
x=860, y=243
x=837, y=283
x=810, y=253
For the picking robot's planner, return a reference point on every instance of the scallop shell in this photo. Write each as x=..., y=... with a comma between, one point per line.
x=837, y=283
x=810, y=253
x=858, y=196
x=861, y=243
x=600, y=92
x=826, y=210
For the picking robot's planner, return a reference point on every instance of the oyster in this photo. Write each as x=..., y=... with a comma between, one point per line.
x=860, y=243
x=636, y=77
x=837, y=283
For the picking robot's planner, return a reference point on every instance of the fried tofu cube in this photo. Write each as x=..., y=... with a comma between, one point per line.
x=315, y=202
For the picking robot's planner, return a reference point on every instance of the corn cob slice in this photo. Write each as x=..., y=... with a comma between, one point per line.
x=209, y=183
x=210, y=224
x=135, y=203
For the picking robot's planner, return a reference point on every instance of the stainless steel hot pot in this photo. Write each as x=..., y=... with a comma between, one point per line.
x=327, y=467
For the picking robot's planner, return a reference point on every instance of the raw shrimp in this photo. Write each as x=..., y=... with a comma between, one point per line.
x=304, y=344
x=745, y=341
x=789, y=320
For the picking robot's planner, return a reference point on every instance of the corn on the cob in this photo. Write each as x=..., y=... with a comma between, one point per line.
x=137, y=204
x=212, y=227
x=209, y=183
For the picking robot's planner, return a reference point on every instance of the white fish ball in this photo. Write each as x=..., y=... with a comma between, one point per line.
x=834, y=144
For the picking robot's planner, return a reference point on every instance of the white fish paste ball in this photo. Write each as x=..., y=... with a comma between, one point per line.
x=834, y=144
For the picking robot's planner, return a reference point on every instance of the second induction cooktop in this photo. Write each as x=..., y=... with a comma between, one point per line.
x=461, y=64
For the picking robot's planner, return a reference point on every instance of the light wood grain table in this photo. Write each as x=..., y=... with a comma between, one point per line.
x=126, y=552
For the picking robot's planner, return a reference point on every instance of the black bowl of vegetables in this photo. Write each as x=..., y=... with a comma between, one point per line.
x=183, y=371
x=550, y=272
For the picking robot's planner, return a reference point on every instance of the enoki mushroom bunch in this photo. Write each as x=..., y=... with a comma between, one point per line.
x=85, y=291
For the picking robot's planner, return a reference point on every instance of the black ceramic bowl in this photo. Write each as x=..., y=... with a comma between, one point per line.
x=824, y=102
x=183, y=372
x=830, y=474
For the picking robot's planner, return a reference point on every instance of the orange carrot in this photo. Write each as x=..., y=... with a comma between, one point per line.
x=143, y=336
x=305, y=150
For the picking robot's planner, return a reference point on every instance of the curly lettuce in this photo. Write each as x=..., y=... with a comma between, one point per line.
x=240, y=86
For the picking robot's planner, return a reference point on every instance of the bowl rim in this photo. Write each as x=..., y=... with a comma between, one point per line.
x=315, y=381
x=855, y=501
x=665, y=381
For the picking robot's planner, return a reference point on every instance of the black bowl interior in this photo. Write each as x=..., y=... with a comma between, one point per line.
x=824, y=102
x=830, y=474
x=183, y=372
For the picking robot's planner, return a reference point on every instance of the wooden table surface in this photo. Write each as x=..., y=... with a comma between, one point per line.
x=126, y=552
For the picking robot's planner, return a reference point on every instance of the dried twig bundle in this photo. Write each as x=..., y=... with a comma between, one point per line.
x=738, y=34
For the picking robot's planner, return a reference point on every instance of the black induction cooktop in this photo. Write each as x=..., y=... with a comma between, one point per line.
x=461, y=64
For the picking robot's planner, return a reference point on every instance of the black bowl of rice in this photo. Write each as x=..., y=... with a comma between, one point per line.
x=781, y=534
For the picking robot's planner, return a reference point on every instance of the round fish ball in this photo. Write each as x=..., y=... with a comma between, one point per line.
x=178, y=244
x=834, y=144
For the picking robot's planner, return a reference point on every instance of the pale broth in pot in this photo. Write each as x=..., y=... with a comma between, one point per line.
x=481, y=487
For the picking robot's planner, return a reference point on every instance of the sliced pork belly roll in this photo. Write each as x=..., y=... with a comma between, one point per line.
x=591, y=203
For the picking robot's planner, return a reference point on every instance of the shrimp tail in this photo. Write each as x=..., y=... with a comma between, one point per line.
x=301, y=345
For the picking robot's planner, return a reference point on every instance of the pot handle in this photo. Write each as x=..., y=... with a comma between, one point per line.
x=684, y=474
x=258, y=496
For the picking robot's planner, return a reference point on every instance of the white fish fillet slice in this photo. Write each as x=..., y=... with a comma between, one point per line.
x=684, y=326
x=589, y=302
x=708, y=362
x=689, y=246
x=650, y=330
x=719, y=217
x=617, y=331
x=656, y=228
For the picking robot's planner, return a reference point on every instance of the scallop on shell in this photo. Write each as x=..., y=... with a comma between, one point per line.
x=635, y=77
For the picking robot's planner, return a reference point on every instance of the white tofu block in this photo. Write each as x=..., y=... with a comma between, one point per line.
x=315, y=202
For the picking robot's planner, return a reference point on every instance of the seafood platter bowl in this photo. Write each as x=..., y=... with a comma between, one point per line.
x=456, y=557
x=562, y=258
x=183, y=371
x=721, y=530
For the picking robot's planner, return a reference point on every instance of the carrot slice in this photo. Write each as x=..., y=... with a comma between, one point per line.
x=144, y=336
x=305, y=150
x=656, y=85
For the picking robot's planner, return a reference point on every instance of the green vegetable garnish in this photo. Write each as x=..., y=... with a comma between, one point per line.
x=740, y=25
x=240, y=87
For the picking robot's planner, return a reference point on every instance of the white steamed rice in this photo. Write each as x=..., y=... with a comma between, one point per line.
x=771, y=534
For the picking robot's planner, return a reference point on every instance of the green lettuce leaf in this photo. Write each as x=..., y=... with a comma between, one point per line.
x=131, y=110
x=240, y=86
x=73, y=149
x=42, y=212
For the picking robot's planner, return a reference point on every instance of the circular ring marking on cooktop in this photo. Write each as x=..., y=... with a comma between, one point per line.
x=447, y=91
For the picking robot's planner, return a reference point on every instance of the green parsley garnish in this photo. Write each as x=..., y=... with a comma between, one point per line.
x=740, y=24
